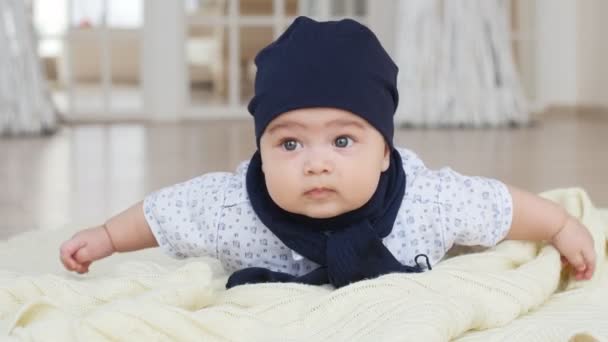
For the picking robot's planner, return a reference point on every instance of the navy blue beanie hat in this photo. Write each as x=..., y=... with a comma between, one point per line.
x=337, y=64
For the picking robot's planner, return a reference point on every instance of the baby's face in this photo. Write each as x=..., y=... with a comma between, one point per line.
x=322, y=162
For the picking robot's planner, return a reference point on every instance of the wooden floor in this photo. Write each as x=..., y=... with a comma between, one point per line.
x=85, y=173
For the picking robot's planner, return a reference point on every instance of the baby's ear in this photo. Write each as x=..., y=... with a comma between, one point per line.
x=386, y=160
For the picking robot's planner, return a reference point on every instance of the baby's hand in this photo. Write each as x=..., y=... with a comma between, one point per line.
x=85, y=247
x=575, y=244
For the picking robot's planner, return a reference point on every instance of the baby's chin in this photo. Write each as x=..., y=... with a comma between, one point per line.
x=322, y=211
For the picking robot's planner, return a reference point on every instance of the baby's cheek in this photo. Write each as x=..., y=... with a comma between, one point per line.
x=358, y=193
x=282, y=191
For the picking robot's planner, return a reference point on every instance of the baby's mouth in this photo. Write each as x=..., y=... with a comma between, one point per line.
x=319, y=193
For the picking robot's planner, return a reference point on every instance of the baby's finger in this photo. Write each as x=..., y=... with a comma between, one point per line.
x=71, y=246
x=66, y=263
x=67, y=253
x=589, y=256
x=81, y=269
x=82, y=255
x=85, y=266
x=578, y=262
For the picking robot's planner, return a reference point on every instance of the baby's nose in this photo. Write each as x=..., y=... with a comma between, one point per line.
x=317, y=164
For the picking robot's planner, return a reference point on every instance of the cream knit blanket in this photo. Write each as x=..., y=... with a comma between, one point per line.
x=513, y=292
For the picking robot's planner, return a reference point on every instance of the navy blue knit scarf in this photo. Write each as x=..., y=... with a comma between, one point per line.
x=348, y=247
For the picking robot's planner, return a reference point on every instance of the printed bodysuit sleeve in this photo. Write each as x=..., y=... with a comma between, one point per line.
x=473, y=210
x=184, y=217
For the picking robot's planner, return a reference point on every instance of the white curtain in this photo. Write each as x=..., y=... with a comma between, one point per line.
x=456, y=64
x=25, y=106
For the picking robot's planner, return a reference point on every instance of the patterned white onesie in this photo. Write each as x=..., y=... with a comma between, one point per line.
x=211, y=215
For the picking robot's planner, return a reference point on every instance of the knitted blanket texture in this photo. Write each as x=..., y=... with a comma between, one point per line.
x=516, y=291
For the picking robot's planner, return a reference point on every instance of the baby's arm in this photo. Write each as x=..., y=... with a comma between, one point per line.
x=535, y=218
x=127, y=231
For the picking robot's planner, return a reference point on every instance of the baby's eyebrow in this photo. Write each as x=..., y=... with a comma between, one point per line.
x=337, y=122
x=346, y=122
x=285, y=124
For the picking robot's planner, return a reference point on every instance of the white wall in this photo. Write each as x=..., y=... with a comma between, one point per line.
x=592, y=48
x=382, y=22
x=556, y=64
x=572, y=52
x=163, y=67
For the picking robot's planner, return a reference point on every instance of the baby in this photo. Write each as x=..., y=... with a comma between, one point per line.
x=327, y=198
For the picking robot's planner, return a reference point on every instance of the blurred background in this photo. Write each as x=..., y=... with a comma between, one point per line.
x=104, y=101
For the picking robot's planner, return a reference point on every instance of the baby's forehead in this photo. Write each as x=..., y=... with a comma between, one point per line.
x=315, y=126
x=317, y=119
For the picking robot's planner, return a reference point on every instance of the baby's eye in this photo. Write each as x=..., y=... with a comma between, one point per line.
x=290, y=144
x=343, y=141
